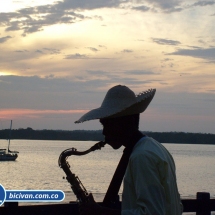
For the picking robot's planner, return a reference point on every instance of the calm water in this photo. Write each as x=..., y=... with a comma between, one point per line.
x=37, y=167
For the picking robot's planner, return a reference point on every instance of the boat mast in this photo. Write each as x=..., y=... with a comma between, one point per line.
x=9, y=135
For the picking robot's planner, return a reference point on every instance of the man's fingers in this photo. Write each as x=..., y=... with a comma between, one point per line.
x=91, y=198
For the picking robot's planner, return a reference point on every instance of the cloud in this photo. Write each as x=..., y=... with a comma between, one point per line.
x=33, y=92
x=106, y=78
x=102, y=46
x=32, y=113
x=161, y=41
x=21, y=51
x=54, y=93
x=92, y=49
x=127, y=51
x=84, y=56
x=139, y=72
x=167, y=6
x=89, y=5
x=34, y=19
x=4, y=39
x=76, y=56
x=207, y=53
x=51, y=102
x=52, y=50
x=166, y=59
x=203, y=3
x=195, y=47
x=97, y=72
x=39, y=51
x=142, y=8
x=200, y=4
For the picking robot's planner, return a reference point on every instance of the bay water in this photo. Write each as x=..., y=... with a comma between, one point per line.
x=36, y=167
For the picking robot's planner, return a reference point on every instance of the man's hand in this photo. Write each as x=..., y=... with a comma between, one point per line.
x=90, y=207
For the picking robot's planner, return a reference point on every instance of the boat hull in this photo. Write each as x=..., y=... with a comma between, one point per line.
x=8, y=157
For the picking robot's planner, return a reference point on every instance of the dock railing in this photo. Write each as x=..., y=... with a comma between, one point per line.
x=202, y=205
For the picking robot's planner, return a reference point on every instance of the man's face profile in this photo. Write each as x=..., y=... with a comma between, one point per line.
x=117, y=131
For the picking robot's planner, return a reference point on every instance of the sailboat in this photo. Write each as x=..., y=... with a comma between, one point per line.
x=7, y=154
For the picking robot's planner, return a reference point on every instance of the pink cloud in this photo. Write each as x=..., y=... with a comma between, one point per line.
x=29, y=113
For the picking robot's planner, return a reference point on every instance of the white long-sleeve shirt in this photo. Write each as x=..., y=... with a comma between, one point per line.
x=149, y=186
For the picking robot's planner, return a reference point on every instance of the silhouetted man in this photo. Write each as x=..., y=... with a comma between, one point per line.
x=149, y=184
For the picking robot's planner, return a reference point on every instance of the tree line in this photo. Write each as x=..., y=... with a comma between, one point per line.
x=86, y=135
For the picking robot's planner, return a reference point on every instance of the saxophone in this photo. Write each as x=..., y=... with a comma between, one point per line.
x=76, y=185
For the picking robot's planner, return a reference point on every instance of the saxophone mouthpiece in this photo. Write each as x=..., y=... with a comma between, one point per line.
x=98, y=145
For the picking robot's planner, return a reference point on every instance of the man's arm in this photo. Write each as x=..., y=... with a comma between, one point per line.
x=144, y=182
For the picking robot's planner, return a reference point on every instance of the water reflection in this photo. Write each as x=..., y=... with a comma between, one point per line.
x=37, y=167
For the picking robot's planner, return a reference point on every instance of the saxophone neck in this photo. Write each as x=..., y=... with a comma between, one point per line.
x=73, y=151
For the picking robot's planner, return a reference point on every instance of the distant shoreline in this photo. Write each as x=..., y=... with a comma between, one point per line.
x=96, y=135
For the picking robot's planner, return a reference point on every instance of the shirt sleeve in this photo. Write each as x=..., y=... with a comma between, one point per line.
x=145, y=180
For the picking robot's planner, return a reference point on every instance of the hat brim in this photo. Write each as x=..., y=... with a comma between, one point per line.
x=142, y=101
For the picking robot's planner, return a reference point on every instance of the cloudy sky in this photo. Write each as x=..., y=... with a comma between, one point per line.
x=58, y=59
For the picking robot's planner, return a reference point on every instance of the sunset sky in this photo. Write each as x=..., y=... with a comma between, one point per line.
x=59, y=58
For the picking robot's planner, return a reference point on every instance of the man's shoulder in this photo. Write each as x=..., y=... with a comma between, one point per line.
x=149, y=148
x=146, y=144
x=143, y=147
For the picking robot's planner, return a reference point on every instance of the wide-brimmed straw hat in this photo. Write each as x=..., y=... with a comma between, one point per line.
x=120, y=101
